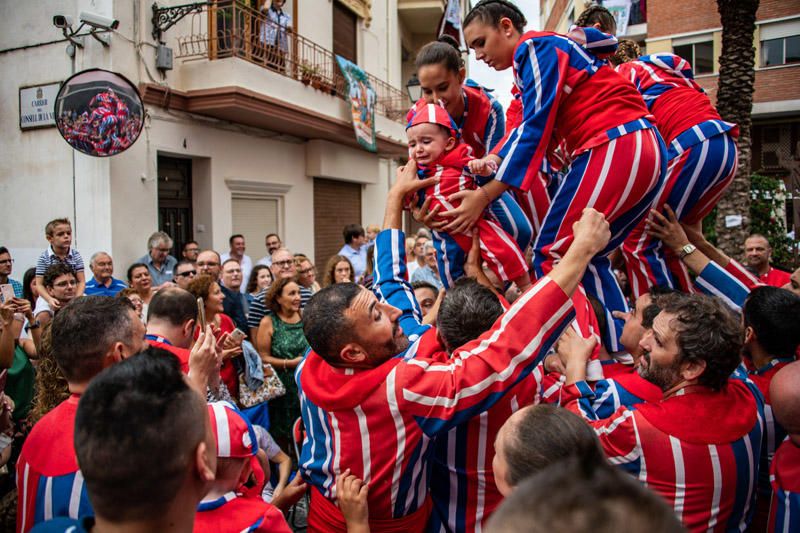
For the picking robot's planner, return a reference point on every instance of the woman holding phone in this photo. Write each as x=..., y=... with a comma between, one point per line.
x=205, y=287
x=282, y=344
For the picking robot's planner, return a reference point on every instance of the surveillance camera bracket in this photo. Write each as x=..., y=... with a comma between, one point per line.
x=166, y=17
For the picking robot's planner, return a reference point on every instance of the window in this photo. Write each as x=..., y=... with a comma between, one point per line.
x=781, y=51
x=700, y=55
x=345, y=26
x=780, y=43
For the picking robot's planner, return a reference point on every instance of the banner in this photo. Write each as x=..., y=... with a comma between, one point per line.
x=362, y=103
x=621, y=9
x=450, y=23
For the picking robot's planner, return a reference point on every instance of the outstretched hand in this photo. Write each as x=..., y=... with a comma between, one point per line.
x=408, y=182
x=468, y=212
x=666, y=228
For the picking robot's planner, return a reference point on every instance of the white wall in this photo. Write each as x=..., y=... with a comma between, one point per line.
x=115, y=208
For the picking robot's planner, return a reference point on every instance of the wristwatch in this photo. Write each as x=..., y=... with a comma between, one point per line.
x=34, y=325
x=686, y=250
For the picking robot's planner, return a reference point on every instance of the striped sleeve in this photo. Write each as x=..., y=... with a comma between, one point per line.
x=540, y=69
x=717, y=281
x=735, y=269
x=594, y=404
x=495, y=125
x=42, y=263
x=618, y=437
x=391, y=280
x=442, y=395
x=77, y=262
x=258, y=310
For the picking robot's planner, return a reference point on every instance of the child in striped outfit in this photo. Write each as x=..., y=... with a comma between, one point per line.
x=434, y=144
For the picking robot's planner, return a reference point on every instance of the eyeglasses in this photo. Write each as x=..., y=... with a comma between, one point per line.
x=191, y=249
x=6, y=261
x=164, y=250
x=284, y=264
x=68, y=283
x=306, y=271
x=187, y=273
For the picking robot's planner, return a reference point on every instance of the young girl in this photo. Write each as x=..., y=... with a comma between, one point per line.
x=433, y=144
x=570, y=98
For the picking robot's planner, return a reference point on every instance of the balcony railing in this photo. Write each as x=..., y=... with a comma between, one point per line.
x=230, y=29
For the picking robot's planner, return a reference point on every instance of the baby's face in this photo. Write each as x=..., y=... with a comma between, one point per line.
x=426, y=142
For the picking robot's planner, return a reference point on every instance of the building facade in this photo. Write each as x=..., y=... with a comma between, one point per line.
x=692, y=30
x=240, y=136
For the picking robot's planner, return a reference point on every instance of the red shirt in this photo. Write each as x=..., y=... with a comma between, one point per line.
x=181, y=353
x=775, y=277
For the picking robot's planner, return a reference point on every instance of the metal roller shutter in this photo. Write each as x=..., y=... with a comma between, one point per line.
x=254, y=218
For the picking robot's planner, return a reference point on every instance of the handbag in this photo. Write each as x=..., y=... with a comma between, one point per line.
x=269, y=390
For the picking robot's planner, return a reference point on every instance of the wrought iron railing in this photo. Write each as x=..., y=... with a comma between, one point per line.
x=228, y=28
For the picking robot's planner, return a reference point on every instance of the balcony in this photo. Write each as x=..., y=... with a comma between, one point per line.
x=265, y=93
x=421, y=16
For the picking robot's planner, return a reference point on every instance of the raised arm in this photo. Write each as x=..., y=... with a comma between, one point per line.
x=391, y=277
x=701, y=257
x=445, y=394
x=541, y=70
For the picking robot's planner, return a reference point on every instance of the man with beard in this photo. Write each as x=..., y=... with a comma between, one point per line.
x=698, y=446
x=371, y=403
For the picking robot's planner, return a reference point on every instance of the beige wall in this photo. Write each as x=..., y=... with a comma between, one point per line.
x=116, y=201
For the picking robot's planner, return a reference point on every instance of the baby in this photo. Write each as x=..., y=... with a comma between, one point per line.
x=434, y=144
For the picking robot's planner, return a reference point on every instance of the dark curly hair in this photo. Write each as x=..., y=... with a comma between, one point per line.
x=491, y=11
x=705, y=330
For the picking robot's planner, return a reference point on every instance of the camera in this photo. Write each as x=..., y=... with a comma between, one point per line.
x=62, y=21
x=96, y=21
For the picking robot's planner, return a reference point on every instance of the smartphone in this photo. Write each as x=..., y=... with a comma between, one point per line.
x=201, y=314
x=6, y=293
x=237, y=335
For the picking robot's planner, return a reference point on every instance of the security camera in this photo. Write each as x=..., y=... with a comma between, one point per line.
x=62, y=21
x=99, y=22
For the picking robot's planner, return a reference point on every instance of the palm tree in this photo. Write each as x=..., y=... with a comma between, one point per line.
x=734, y=104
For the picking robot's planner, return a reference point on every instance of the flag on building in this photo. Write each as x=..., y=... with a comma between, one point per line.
x=362, y=99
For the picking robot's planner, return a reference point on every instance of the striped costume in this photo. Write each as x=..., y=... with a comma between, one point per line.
x=462, y=484
x=570, y=98
x=233, y=512
x=784, y=513
x=702, y=159
x=49, y=483
x=608, y=395
x=698, y=449
x=380, y=422
x=498, y=248
x=481, y=127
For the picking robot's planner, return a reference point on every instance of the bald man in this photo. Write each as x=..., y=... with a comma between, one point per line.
x=784, y=393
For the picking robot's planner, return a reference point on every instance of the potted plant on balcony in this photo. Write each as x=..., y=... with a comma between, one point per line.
x=308, y=73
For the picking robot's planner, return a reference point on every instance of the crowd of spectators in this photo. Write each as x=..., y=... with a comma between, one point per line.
x=468, y=377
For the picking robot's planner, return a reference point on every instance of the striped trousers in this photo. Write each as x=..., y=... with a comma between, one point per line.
x=621, y=179
x=702, y=162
